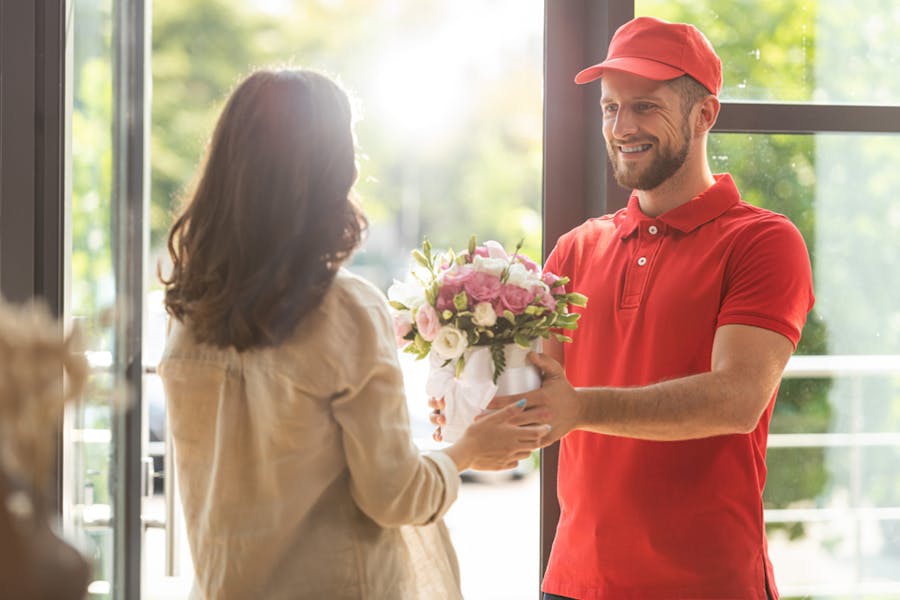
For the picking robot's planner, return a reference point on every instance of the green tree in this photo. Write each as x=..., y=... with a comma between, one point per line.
x=480, y=175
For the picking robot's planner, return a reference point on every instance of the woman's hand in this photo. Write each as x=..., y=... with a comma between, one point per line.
x=437, y=417
x=555, y=403
x=495, y=441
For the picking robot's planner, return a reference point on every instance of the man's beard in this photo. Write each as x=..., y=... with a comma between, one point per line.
x=664, y=165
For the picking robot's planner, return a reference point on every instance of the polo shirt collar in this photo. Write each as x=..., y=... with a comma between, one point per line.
x=703, y=208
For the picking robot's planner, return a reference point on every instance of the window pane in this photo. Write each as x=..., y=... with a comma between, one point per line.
x=819, y=51
x=832, y=495
x=838, y=190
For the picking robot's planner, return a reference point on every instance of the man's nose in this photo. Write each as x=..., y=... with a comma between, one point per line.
x=624, y=124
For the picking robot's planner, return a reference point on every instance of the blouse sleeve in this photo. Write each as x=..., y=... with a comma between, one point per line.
x=391, y=481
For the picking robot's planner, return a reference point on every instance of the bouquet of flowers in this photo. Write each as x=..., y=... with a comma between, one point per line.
x=476, y=314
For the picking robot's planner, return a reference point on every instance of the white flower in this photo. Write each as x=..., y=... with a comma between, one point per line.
x=491, y=266
x=495, y=250
x=408, y=293
x=484, y=315
x=450, y=343
x=520, y=276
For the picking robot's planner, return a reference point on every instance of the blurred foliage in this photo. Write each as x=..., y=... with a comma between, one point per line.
x=477, y=173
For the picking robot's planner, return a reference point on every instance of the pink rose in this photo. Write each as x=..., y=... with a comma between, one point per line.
x=402, y=327
x=482, y=287
x=482, y=251
x=529, y=264
x=456, y=275
x=451, y=283
x=428, y=322
x=545, y=298
x=515, y=299
x=445, y=296
x=550, y=279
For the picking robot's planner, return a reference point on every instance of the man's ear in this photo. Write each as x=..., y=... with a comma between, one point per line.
x=707, y=113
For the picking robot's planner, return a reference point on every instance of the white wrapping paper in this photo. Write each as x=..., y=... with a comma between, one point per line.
x=467, y=396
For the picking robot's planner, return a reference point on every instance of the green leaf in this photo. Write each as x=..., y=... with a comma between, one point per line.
x=461, y=301
x=498, y=355
x=420, y=258
x=576, y=299
x=509, y=316
x=472, y=244
x=460, y=363
x=562, y=338
x=398, y=305
x=421, y=344
x=523, y=340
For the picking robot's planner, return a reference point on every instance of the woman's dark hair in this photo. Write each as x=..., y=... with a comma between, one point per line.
x=271, y=218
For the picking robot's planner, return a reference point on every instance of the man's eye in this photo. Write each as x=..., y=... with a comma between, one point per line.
x=643, y=106
x=610, y=108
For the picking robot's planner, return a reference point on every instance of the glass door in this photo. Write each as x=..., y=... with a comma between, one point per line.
x=450, y=143
x=444, y=153
x=104, y=438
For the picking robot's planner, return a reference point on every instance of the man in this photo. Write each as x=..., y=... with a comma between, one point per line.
x=696, y=301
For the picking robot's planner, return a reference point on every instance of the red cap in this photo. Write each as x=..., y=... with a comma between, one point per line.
x=659, y=50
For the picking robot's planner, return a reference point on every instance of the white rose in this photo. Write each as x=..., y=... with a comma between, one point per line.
x=521, y=276
x=484, y=315
x=491, y=266
x=408, y=293
x=495, y=250
x=449, y=343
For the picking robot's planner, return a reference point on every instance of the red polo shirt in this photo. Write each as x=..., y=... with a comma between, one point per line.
x=645, y=519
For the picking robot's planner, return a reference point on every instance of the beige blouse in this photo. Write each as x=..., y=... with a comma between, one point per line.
x=297, y=472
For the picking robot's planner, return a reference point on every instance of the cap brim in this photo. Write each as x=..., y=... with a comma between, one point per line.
x=636, y=66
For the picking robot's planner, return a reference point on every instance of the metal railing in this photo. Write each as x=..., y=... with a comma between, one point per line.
x=856, y=513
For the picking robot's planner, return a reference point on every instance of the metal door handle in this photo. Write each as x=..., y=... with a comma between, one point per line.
x=172, y=561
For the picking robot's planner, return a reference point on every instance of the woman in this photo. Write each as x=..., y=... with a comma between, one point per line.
x=297, y=472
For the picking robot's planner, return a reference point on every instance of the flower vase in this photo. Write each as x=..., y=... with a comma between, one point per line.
x=468, y=395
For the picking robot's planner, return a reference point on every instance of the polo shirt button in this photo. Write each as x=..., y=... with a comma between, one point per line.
x=642, y=261
x=653, y=229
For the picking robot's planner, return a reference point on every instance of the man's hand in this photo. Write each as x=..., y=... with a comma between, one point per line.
x=556, y=402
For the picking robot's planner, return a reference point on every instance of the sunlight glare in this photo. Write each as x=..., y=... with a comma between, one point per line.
x=419, y=90
x=424, y=84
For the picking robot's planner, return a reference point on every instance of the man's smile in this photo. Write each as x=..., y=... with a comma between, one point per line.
x=633, y=148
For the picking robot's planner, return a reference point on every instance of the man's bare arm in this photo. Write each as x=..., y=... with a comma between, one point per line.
x=746, y=366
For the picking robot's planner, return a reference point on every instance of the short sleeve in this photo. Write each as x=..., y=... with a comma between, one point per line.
x=560, y=261
x=769, y=280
